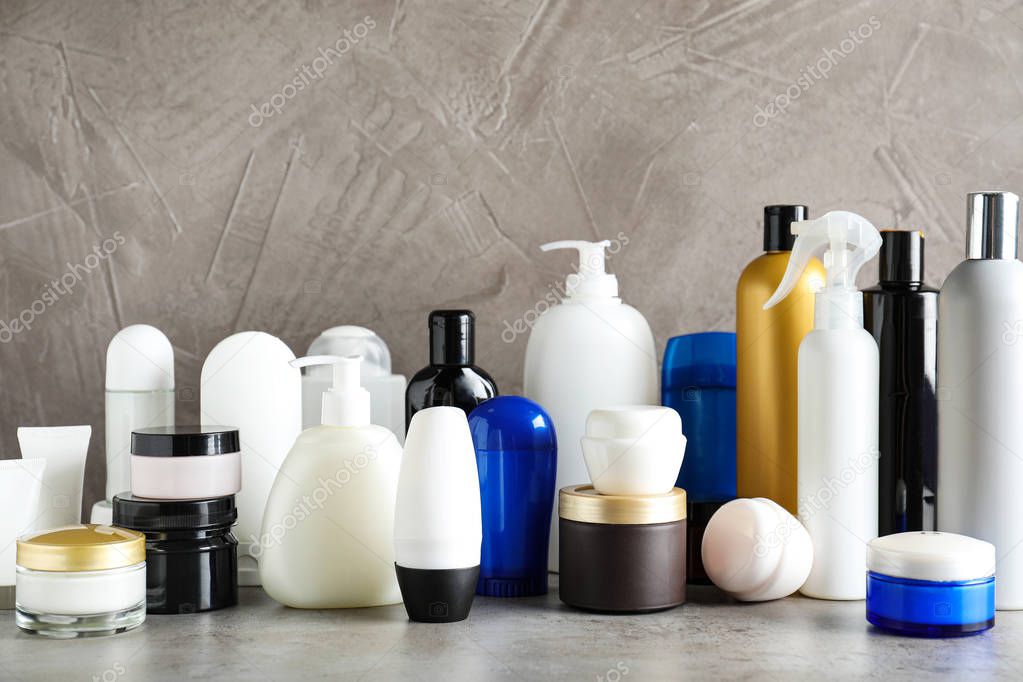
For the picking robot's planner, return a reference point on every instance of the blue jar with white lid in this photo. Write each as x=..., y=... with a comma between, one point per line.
x=516, y=457
x=698, y=382
x=929, y=584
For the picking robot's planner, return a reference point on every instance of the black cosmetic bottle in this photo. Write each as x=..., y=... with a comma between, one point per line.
x=451, y=378
x=901, y=312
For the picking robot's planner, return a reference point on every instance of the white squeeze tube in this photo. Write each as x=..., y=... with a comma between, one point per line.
x=837, y=406
x=20, y=483
x=64, y=448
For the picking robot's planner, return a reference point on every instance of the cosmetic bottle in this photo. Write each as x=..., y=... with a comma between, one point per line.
x=248, y=382
x=767, y=345
x=633, y=449
x=838, y=391
x=186, y=462
x=21, y=482
x=386, y=390
x=437, y=518
x=516, y=458
x=139, y=394
x=589, y=351
x=901, y=312
x=451, y=378
x=342, y=553
x=980, y=383
x=64, y=448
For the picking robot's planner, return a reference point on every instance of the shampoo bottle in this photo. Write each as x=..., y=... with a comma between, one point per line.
x=838, y=389
x=438, y=523
x=767, y=345
x=139, y=394
x=590, y=351
x=386, y=390
x=980, y=386
x=343, y=475
x=451, y=378
x=902, y=314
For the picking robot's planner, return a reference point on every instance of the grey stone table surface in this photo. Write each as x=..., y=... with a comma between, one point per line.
x=521, y=639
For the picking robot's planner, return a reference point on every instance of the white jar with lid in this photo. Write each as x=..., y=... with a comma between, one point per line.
x=81, y=580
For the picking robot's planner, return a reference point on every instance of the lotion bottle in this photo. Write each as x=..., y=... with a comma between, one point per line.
x=590, y=351
x=139, y=394
x=767, y=347
x=342, y=477
x=838, y=389
x=980, y=386
x=901, y=312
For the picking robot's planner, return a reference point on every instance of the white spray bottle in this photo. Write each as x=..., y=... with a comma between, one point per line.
x=837, y=406
x=589, y=352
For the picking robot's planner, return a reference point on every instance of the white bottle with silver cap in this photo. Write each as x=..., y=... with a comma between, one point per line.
x=590, y=351
x=139, y=394
x=980, y=390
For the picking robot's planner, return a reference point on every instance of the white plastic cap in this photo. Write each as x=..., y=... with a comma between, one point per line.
x=140, y=358
x=932, y=556
x=346, y=403
x=754, y=550
x=348, y=340
x=592, y=280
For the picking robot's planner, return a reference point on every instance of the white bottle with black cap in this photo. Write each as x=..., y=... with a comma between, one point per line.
x=139, y=394
x=326, y=540
x=980, y=391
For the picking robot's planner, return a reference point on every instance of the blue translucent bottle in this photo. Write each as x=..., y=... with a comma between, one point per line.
x=516, y=455
x=698, y=381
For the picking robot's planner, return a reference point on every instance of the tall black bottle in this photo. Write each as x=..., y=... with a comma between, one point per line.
x=902, y=314
x=451, y=378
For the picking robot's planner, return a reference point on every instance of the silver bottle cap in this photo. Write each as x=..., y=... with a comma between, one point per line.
x=992, y=219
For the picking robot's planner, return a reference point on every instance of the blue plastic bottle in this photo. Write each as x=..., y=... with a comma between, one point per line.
x=698, y=381
x=516, y=455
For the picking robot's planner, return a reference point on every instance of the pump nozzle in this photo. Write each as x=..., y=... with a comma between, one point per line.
x=346, y=403
x=592, y=280
x=835, y=230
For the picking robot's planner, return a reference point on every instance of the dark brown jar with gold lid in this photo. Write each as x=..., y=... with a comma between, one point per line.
x=622, y=553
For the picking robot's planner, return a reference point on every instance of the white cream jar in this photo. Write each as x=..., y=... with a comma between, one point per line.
x=185, y=462
x=81, y=581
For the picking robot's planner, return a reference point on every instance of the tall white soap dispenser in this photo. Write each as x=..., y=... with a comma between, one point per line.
x=327, y=538
x=590, y=351
x=837, y=406
x=980, y=386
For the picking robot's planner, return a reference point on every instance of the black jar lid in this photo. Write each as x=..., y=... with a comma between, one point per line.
x=138, y=513
x=185, y=441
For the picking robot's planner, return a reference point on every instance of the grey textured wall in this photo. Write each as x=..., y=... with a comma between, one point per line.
x=432, y=148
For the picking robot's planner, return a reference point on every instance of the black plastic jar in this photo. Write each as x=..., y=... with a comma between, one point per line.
x=191, y=554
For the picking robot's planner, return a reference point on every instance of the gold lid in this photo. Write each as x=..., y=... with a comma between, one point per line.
x=583, y=503
x=86, y=547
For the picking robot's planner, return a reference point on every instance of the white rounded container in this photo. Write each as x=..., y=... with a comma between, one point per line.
x=81, y=581
x=185, y=462
x=754, y=550
x=633, y=450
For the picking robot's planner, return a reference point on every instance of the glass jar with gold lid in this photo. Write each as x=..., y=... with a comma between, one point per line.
x=81, y=580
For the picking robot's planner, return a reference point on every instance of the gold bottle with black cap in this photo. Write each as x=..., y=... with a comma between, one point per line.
x=767, y=348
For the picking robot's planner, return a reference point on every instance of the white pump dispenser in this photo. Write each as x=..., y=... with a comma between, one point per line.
x=346, y=403
x=837, y=404
x=327, y=536
x=592, y=351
